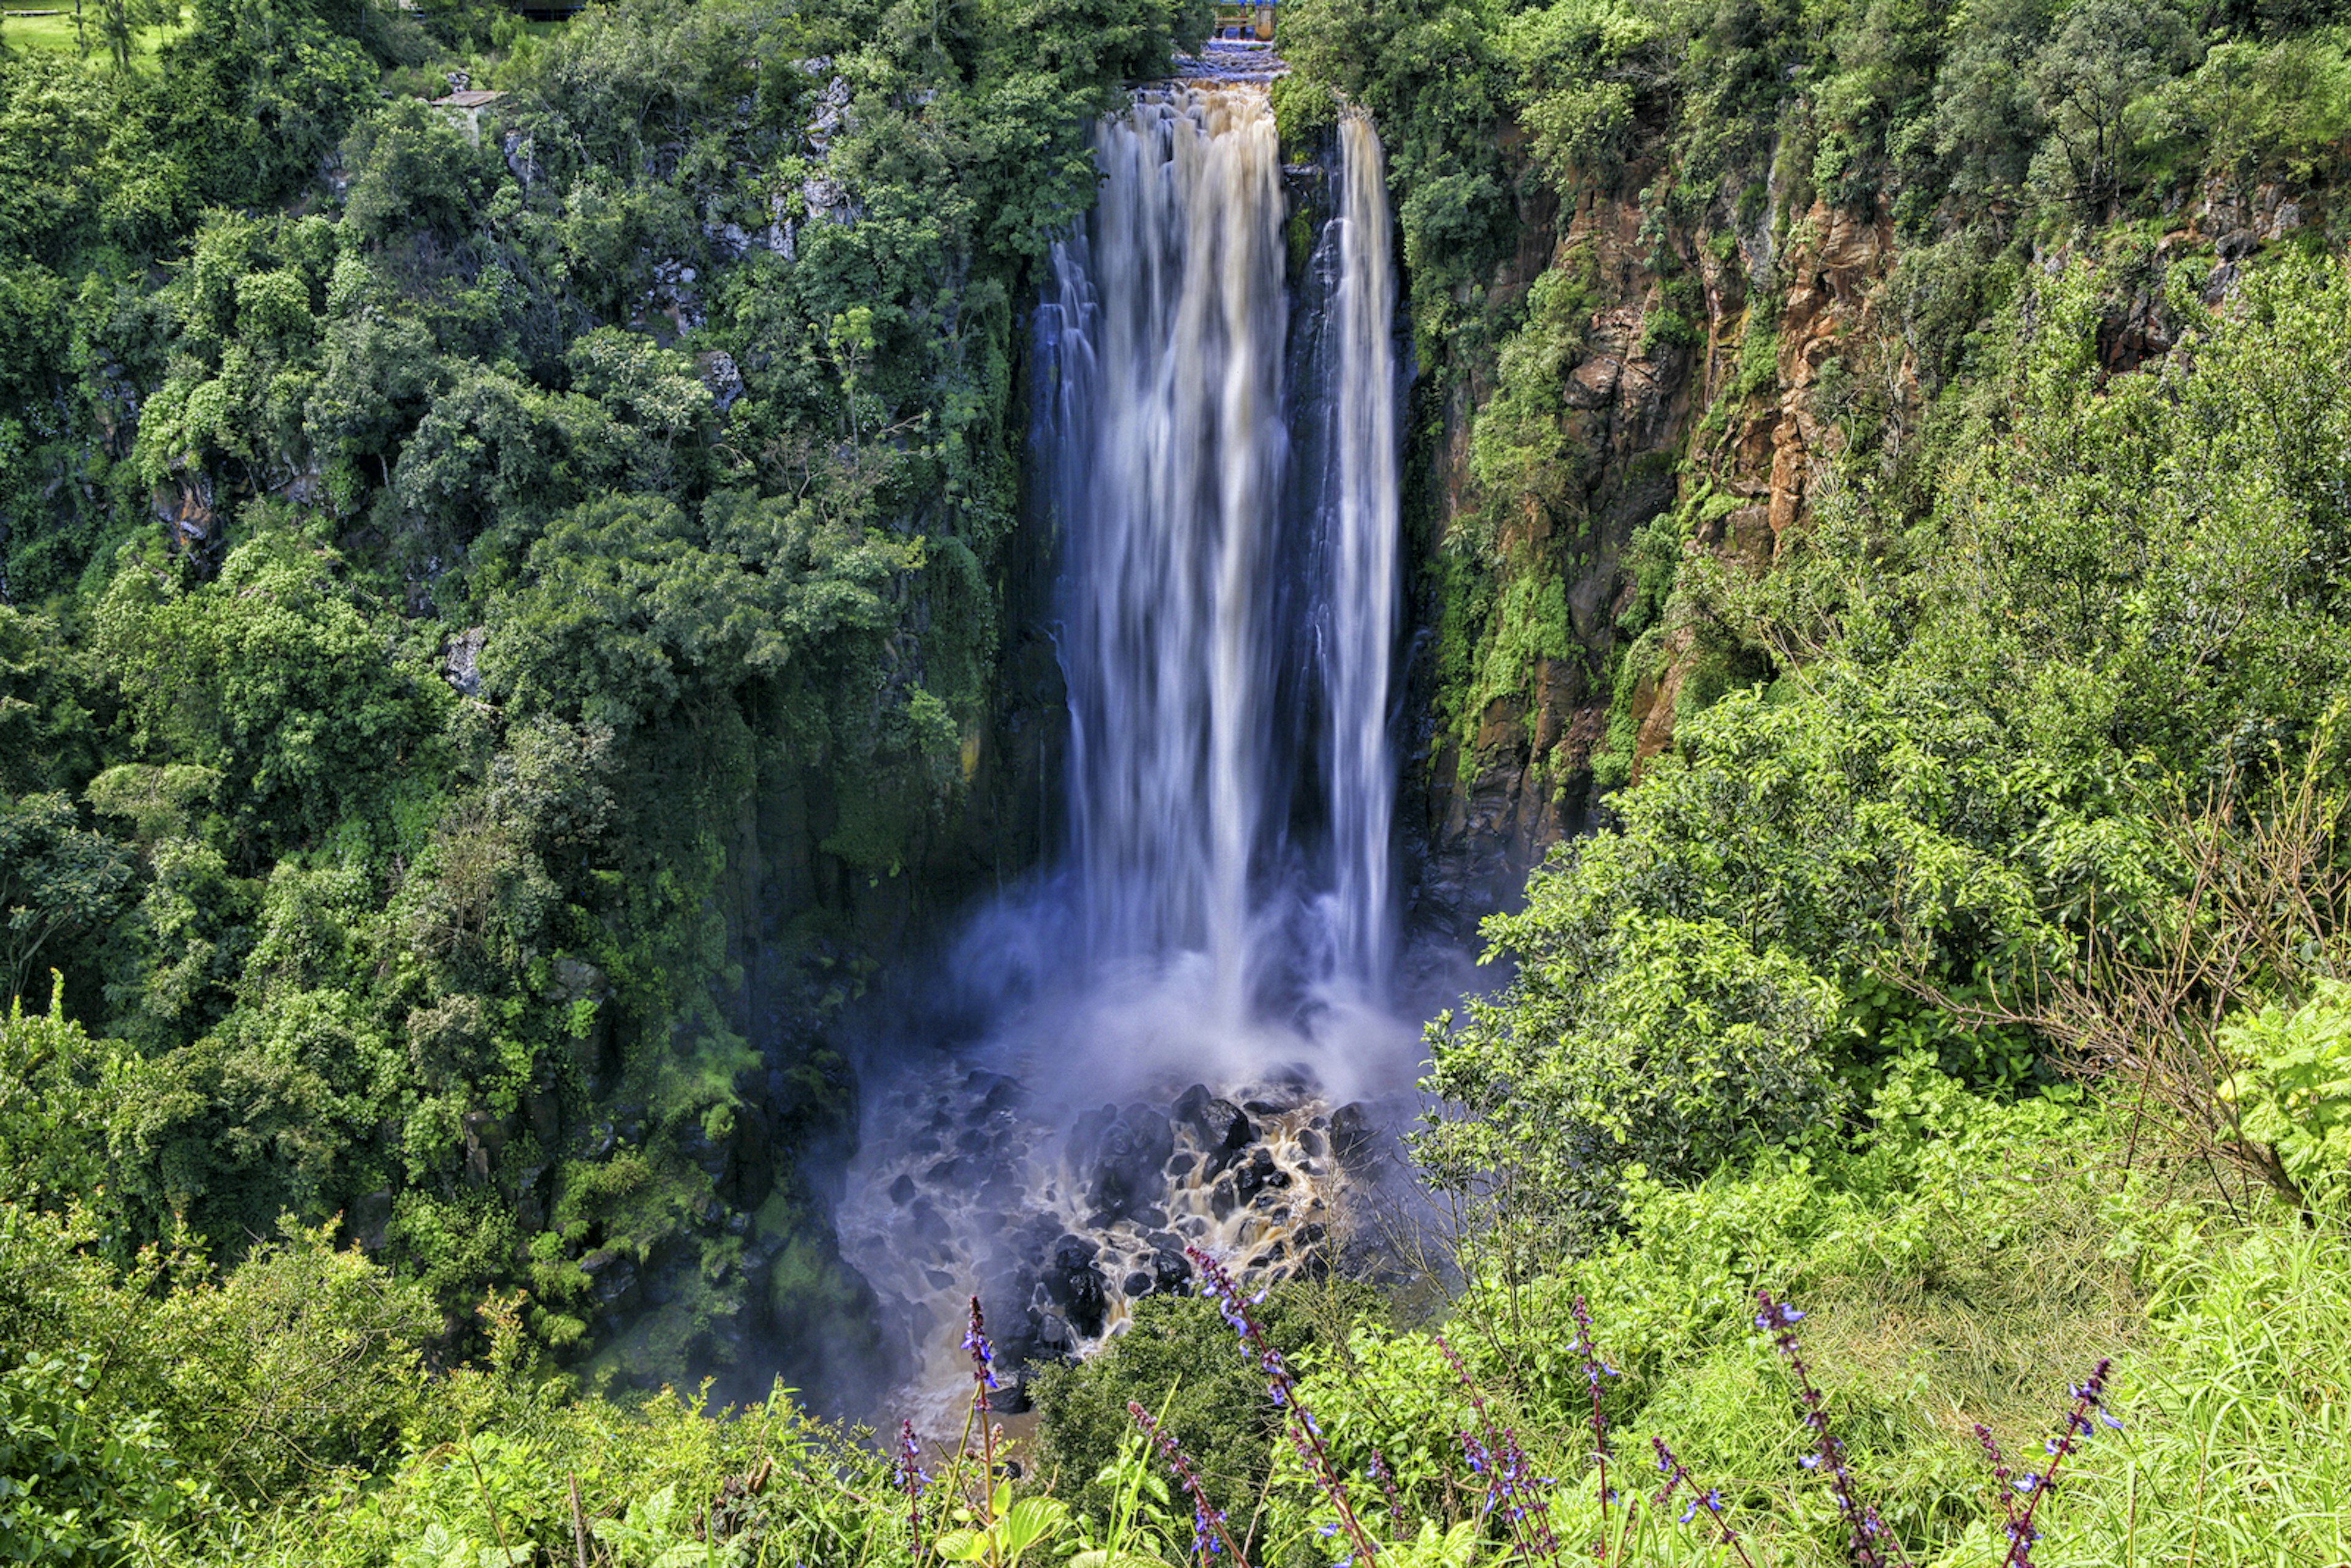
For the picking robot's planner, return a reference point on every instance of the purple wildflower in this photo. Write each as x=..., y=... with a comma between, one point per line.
x=907, y=1472
x=1866, y=1531
x=1282, y=1386
x=1210, y=1534
x=1711, y=1500
x=2033, y=1487
x=1384, y=1479
x=983, y=1378
x=1512, y=1490
x=983, y=1355
x=1593, y=1370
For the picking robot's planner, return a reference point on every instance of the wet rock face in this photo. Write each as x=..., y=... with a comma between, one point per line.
x=1514, y=780
x=1351, y=1134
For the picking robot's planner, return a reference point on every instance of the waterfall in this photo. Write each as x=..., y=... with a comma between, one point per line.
x=1227, y=659
x=1364, y=457
x=1167, y=463
x=1179, y=1025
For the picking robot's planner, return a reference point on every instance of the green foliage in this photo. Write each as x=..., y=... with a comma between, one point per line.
x=1956, y=1266
x=1581, y=68
x=77, y=165
x=58, y=880
x=53, y=1107
x=1963, y=783
x=626, y=609
x=1433, y=78
x=1992, y=136
x=1689, y=1046
x=272, y=675
x=1304, y=112
x=410, y=168
x=2101, y=58
x=304, y=1360
x=258, y=94
x=2256, y=106
x=1522, y=453
x=2292, y=1091
x=1177, y=1361
x=301, y=1359
x=1005, y=1536
x=78, y=1486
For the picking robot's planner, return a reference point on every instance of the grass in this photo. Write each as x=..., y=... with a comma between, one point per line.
x=56, y=35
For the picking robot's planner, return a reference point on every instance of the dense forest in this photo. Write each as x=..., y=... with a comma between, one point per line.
x=515, y=614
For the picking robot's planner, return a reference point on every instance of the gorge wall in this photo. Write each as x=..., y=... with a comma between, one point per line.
x=1713, y=425
x=1702, y=391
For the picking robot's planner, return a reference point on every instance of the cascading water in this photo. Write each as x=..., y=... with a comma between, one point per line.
x=1205, y=618
x=1364, y=456
x=1218, y=453
x=1167, y=444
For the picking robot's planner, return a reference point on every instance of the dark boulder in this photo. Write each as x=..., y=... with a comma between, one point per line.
x=1219, y=1124
x=1351, y=1134
x=1171, y=1271
x=1129, y=1161
x=994, y=1091
x=1074, y=1284
x=1086, y=1135
x=1259, y=1174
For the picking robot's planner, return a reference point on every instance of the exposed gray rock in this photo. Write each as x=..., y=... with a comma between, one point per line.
x=461, y=662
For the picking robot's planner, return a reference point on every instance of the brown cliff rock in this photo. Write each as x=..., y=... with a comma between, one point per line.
x=1633, y=397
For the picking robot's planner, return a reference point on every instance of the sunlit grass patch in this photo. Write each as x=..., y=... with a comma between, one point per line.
x=52, y=29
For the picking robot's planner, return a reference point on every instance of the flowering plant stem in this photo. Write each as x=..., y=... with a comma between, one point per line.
x=1868, y=1541
x=2089, y=1397
x=983, y=1378
x=1495, y=1455
x=1593, y=1369
x=1711, y=1500
x=910, y=1480
x=1282, y=1386
x=1210, y=1534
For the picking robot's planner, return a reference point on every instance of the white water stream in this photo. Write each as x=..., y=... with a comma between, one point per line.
x=1364, y=457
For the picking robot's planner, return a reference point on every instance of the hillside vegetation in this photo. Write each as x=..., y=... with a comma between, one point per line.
x=499, y=631
x=486, y=603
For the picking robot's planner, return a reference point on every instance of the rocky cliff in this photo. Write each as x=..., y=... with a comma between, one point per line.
x=1708, y=392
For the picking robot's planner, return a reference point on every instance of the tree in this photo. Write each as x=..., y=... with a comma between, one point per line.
x=629, y=606
x=275, y=674
x=119, y=21
x=410, y=168
x=2104, y=56
x=52, y=1109
x=58, y=878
